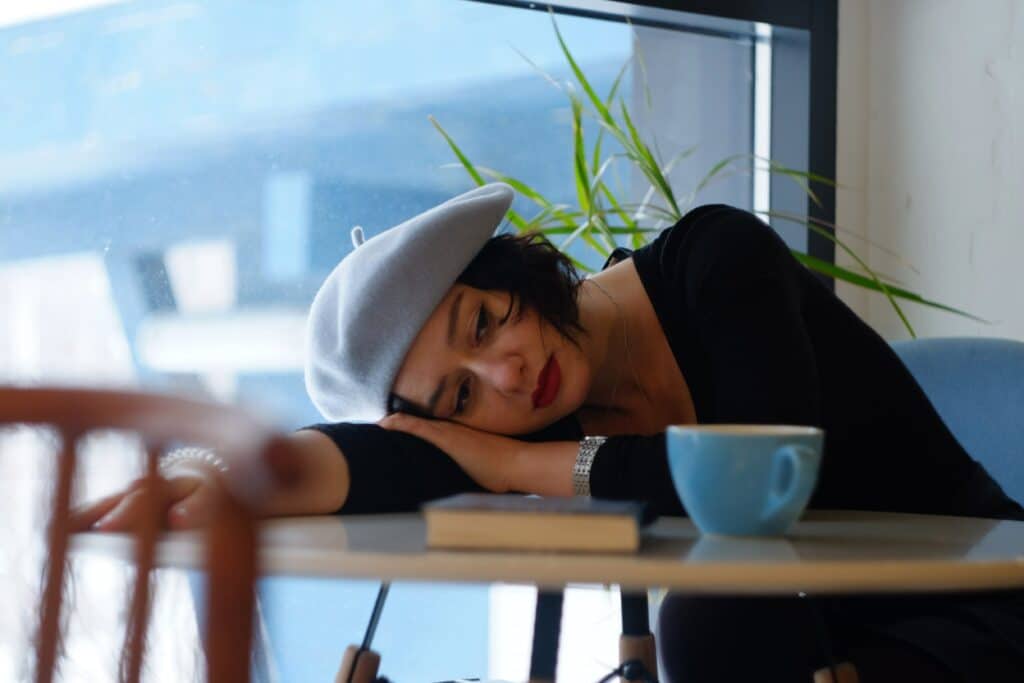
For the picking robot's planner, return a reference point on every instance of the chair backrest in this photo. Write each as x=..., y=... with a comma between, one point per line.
x=258, y=460
x=977, y=387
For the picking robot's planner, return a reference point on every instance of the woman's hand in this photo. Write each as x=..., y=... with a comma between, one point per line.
x=318, y=485
x=488, y=458
x=185, y=500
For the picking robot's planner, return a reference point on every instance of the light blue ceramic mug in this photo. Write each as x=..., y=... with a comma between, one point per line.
x=744, y=480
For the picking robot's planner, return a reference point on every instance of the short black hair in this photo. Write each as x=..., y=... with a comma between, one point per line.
x=534, y=272
x=537, y=276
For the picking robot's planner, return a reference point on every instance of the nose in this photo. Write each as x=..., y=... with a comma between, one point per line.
x=505, y=372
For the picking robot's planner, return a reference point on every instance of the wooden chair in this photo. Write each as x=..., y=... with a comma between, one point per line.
x=258, y=459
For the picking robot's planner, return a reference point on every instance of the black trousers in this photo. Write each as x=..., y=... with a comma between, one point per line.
x=962, y=637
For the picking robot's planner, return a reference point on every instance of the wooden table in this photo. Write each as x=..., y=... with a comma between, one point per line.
x=826, y=552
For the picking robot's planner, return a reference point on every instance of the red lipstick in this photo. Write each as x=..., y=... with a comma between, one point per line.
x=547, y=383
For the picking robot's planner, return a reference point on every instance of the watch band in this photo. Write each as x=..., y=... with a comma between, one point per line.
x=584, y=459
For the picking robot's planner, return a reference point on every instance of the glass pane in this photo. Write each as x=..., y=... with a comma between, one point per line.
x=698, y=102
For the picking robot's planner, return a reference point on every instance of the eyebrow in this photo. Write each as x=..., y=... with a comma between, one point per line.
x=453, y=319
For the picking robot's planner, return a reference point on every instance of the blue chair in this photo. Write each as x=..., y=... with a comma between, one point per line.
x=977, y=387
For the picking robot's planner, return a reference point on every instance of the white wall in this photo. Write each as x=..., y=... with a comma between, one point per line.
x=931, y=151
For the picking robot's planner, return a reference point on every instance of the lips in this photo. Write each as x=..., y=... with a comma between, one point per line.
x=547, y=384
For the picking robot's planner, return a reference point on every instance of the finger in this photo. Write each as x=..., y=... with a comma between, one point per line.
x=432, y=431
x=125, y=515
x=195, y=510
x=122, y=511
x=403, y=423
x=390, y=421
x=83, y=517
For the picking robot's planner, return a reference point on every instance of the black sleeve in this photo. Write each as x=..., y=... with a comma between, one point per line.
x=391, y=471
x=733, y=282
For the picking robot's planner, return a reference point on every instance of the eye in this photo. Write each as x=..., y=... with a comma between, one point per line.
x=462, y=397
x=483, y=320
x=511, y=307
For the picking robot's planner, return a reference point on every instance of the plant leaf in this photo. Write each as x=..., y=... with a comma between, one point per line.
x=679, y=156
x=463, y=159
x=584, y=83
x=596, y=156
x=531, y=194
x=616, y=208
x=592, y=190
x=890, y=292
x=580, y=170
x=871, y=243
x=513, y=216
x=548, y=77
x=638, y=54
x=583, y=231
x=860, y=262
x=616, y=229
x=715, y=170
x=814, y=177
x=840, y=273
x=516, y=220
x=831, y=229
x=648, y=164
x=642, y=209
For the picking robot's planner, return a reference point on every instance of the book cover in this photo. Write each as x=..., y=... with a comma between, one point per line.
x=509, y=521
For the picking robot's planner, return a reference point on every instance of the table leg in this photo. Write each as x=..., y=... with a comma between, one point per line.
x=360, y=664
x=637, y=641
x=546, y=627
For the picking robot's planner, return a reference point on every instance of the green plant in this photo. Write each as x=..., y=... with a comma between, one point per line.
x=601, y=220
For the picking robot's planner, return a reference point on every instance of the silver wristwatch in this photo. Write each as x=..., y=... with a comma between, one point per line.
x=584, y=459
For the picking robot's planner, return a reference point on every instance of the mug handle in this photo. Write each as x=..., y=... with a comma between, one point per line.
x=801, y=483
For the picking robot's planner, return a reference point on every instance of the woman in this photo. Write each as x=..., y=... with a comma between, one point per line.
x=456, y=342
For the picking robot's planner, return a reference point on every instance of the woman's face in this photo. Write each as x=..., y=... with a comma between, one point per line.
x=479, y=362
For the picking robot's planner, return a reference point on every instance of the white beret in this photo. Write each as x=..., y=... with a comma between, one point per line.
x=371, y=307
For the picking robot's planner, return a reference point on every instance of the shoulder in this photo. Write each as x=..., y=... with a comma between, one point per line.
x=718, y=231
x=712, y=240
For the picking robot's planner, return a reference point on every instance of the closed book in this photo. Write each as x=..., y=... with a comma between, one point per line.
x=490, y=521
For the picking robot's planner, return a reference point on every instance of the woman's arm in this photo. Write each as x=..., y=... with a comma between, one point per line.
x=388, y=471
x=497, y=463
x=324, y=480
x=626, y=467
x=543, y=468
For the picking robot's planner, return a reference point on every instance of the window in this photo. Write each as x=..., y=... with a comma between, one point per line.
x=176, y=178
